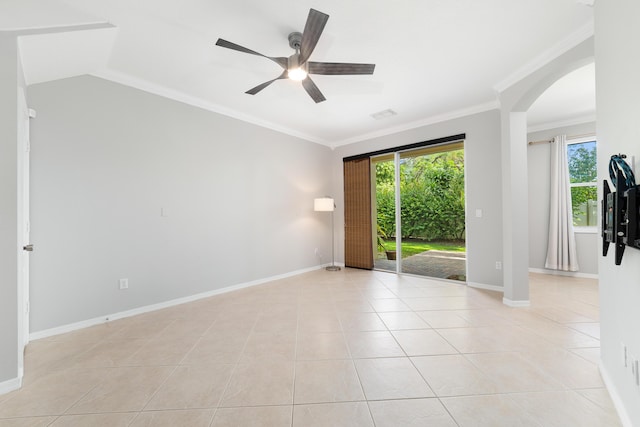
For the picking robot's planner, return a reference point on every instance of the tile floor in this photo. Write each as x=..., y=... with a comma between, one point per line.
x=348, y=348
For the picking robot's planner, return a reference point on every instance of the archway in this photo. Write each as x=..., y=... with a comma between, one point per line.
x=515, y=100
x=567, y=108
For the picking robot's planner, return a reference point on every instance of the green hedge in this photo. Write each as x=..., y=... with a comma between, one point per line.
x=431, y=197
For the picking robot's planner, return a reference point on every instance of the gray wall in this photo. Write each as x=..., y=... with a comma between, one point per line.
x=9, y=70
x=107, y=158
x=617, y=94
x=482, y=170
x=538, y=158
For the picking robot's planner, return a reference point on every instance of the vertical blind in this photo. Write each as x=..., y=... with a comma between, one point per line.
x=357, y=214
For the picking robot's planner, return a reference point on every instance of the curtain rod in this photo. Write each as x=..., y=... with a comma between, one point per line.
x=569, y=137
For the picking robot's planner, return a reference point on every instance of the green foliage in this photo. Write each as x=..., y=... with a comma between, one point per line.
x=385, y=198
x=580, y=195
x=385, y=173
x=584, y=206
x=386, y=210
x=582, y=162
x=380, y=239
x=431, y=196
x=413, y=247
x=582, y=169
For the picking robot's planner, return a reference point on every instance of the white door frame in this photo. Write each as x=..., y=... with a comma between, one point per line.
x=398, y=208
x=24, y=147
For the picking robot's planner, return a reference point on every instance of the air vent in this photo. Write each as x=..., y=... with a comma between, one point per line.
x=384, y=114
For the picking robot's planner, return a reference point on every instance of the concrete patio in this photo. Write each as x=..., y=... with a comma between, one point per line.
x=439, y=264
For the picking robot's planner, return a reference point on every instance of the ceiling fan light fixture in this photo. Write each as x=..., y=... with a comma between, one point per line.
x=297, y=74
x=295, y=70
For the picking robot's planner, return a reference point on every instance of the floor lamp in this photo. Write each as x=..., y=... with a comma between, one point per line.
x=326, y=204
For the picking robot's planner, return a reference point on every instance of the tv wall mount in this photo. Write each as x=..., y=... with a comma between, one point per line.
x=620, y=209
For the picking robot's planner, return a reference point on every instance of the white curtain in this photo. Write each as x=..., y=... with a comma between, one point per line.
x=561, y=250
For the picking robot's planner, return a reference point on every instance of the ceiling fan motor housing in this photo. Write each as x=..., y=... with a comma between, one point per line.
x=295, y=40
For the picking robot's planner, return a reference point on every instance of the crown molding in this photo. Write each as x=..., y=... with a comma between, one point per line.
x=574, y=39
x=562, y=123
x=44, y=30
x=456, y=114
x=146, y=86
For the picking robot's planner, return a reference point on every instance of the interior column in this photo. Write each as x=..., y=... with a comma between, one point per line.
x=515, y=201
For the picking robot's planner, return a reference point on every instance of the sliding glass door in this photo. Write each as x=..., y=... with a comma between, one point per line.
x=419, y=211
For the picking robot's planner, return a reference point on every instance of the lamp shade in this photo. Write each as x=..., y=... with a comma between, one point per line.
x=323, y=204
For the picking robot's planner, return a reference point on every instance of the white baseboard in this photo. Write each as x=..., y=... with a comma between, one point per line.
x=153, y=307
x=487, y=287
x=563, y=273
x=10, y=385
x=615, y=397
x=516, y=304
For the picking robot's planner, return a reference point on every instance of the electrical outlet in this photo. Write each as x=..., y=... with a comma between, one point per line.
x=498, y=265
x=124, y=284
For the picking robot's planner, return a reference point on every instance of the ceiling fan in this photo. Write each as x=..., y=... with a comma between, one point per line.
x=297, y=66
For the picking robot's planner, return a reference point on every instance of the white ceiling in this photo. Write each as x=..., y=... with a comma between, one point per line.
x=434, y=58
x=570, y=100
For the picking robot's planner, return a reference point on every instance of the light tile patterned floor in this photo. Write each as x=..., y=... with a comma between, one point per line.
x=348, y=348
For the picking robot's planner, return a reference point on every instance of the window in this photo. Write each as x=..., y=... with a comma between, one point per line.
x=581, y=156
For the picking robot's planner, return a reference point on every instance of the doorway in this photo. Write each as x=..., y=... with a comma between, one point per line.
x=419, y=211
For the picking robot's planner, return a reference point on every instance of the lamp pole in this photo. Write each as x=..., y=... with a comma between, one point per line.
x=326, y=204
x=333, y=266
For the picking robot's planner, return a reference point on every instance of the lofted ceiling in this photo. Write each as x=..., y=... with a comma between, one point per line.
x=434, y=59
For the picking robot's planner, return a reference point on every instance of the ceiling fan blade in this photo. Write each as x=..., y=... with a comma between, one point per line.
x=339, y=68
x=311, y=34
x=313, y=90
x=258, y=88
x=283, y=62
